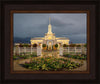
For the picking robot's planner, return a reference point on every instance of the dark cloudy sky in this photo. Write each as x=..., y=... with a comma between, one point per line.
x=70, y=25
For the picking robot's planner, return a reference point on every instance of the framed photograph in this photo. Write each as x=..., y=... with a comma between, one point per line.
x=63, y=49
x=49, y=41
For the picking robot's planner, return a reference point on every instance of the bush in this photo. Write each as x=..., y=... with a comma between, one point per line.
x=29, y=45
x=14, y=57
x=50, y=64
x=72, y=45
x=82, y=57
x=56, y=45
x=44, y=45
x=85, y=45
x=67, y=55
x=78, y=45
x=64, y=45
x=25, y=45
x=34, y=45
x=20, y=45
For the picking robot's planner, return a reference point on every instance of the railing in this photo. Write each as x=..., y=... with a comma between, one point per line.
x=24, y=50
x=31, y=50
x=75, y=50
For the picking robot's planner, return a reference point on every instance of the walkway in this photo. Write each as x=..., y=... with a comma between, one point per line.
x=18, y=63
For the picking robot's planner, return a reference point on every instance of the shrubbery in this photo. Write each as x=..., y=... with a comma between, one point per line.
x=64, y=45
x=72, y=45
x=24, y=45
x=82, y=56
x=44, y=45
x=34, y=45
x=56, y=45
x=51, y=64
x=14, y=57
x=78, y=45
x=23, y=56
x=85, y=45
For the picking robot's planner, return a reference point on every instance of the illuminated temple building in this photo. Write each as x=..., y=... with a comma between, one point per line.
x=50, y=39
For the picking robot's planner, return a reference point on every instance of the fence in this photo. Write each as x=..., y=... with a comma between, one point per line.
x=75, y=50
x=67, y=50
x=24, y=50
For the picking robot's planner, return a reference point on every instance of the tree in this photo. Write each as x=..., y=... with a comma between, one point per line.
x=72, y=45
x=25, y=45
x=44, y=45
x=67, y=45
x=64, y=45
x=35, y=45
x=78, y=45
x=85, y=45
x=20, y=45
x=56, y=45
x=29, y=45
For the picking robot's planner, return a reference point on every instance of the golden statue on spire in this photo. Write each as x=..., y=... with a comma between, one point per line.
x=49, y=27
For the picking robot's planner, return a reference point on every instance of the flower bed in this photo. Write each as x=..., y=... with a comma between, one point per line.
x=51, y=64
x=81, y=57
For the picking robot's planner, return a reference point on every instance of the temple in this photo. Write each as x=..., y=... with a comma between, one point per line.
x=50, y=39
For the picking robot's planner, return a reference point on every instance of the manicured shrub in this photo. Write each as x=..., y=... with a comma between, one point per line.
x=34, y=45
x=44, y=45
x=64, y=45
x=56, y=45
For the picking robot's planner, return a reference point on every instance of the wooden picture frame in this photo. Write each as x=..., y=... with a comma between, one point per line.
x=7, y=40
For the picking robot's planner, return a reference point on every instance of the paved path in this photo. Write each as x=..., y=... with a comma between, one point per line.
x=18, y=63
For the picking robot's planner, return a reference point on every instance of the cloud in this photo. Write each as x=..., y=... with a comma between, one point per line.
x=69, y=25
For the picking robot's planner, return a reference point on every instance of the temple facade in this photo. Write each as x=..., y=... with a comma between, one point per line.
x=50, y=39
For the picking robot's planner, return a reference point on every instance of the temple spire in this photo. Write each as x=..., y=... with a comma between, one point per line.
x=49, y=27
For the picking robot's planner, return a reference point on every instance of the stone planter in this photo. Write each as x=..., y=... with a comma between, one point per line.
x=44, y=48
